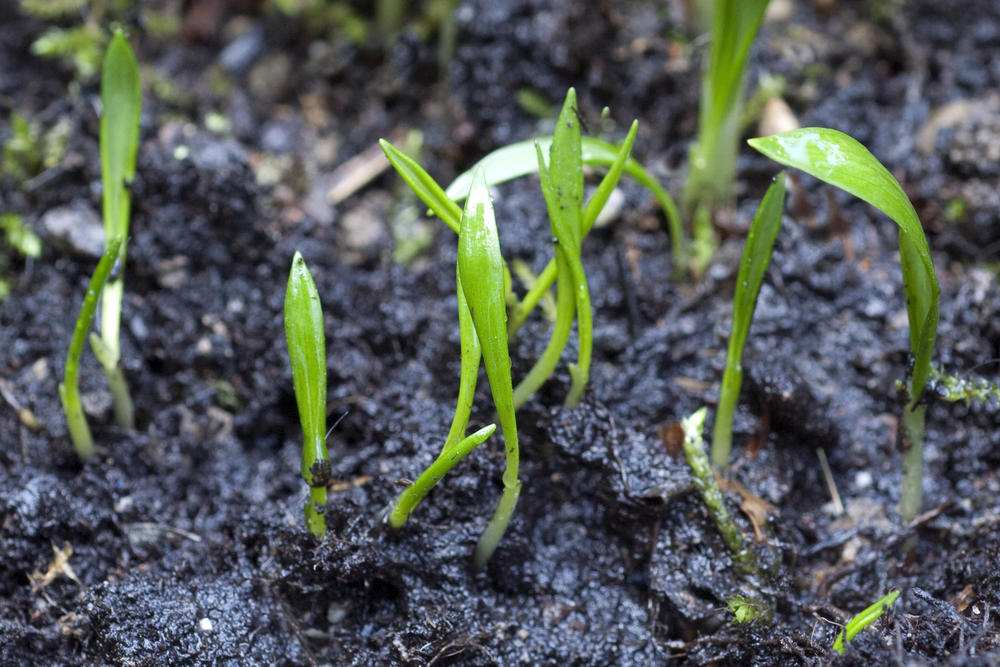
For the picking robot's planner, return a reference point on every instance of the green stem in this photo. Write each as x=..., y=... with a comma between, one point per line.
x=471, y=354
x=911, y=495
x=580, y=371
x=314, y=511
x=69, y=389
x=121, y=399
x=711, y=494
x=540, y=372
x=498, y=524
x=411, y=497
x=722, y=432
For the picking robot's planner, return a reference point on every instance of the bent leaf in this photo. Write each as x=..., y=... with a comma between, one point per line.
x=518, y=159
x=842, y=161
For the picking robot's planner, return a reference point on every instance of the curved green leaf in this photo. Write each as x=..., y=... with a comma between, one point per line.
x=842, y=161
x=861, y=621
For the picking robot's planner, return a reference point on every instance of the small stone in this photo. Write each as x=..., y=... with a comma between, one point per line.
x=76, y=229
x=270, y=78
x=364, y=234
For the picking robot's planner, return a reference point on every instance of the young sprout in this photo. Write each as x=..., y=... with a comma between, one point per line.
x=69, y=388
x=519, y=159
x=121, y=97
x=863, y=620
x=756, y=256
x=837, y=159
x=711, y=494
x=482, y=278
x=307, y=354
x=748, y=608
x=713, y=156
x=562, y=185
x=457, y=445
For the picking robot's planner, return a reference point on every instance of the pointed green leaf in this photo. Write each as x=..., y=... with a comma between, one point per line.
x=756, y=257
x=842, y=161
x=423, y=185
x=307, y=354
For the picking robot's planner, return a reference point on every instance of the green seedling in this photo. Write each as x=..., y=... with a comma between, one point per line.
x=837, y=159
x=482, y=284
x=704, y=480
x=457, y=445
x=756, y=256
x=69, y=388
x=18, y=238
x=863, y=620
x=519, y=159
x=482, y=278
x=562, y=185
x=80, y=45
x=121, y=99
x=713, y=155
x=307, y=354
x=747, y=609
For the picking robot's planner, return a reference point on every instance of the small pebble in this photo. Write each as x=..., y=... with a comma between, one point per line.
x=76, y=229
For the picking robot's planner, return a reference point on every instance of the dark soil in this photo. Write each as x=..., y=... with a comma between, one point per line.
x=186, y=536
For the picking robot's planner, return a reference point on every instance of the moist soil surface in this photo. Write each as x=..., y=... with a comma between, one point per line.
x=182, y=541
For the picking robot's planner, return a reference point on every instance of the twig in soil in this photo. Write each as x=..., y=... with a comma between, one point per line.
x=457, y=647
x=294, y=623
x=356, y=173
x=831, y=484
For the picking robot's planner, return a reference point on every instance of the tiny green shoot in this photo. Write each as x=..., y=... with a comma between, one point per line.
x=457, y=445
x=969, y=389
x=756, y=257
x=121, y=99
x=841, y=161
x=747, y=609
x=307, y=355
x=713, y=154
x=519, y=159
x=562, y=185
x=482, y=277
x=69, y=388
x=706, y=483
x=863, y=620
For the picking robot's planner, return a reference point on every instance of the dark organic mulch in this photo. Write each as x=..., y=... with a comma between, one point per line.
x=186, y=536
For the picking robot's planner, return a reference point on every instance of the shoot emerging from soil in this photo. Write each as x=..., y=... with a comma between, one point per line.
x=713, y=155
x=482, y=277
x=840, y=160
x=863, y=620
x=307, y=355
x=69, y=388
x=704, y=480
x=121, y=98
x=756, y=257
